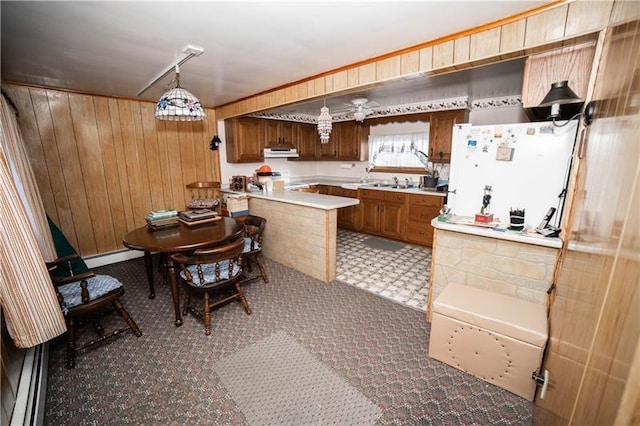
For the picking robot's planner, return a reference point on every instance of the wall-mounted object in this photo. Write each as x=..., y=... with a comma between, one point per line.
x=215, y=143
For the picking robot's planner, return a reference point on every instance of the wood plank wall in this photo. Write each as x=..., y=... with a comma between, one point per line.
x=103, y=163
x=542, y=29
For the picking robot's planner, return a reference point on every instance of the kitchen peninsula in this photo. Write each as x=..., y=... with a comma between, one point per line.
x=301, y=229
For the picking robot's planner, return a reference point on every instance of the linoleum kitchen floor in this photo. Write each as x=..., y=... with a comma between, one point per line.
x=400, y=275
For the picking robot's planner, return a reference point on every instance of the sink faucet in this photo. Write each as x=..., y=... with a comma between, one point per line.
x=395, y=179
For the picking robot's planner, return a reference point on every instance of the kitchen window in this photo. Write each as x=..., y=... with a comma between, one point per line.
x=399, y=152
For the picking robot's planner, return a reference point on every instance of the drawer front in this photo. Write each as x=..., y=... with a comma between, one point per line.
x=422, y=214
x=426, y=200
x=342, y=192
x=380, y=195
x=421, y=233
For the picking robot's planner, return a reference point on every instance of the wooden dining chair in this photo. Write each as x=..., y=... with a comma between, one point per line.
x=213, y=274
x=252, y=251
x=204, y=195
x=85, y=297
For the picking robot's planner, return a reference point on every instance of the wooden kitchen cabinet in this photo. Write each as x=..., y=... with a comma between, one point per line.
x=440, y=133
x=347, y=216
x=279, y=132
x=306, y=141
x=421, y=209
x=382, y=213
x=349, y=141
x=245, y=140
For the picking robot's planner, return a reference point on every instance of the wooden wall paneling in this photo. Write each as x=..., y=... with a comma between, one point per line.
x=426, y=59
x=175, y=183
x=512, y=38
x=113, y=185
x=410, y=62
x=59, y=210
x=461, y=50
x=340, y=80
x=353, y=77
x=443, y=54
x=74, y=203
x=121, y=161
x=319, y=87
x=85, y=127
x=483, y=45
x=388, y=68
x=328, y=83
x=187, y=158
x=545, y=27
x=134, y=157
x=152, y=165
x=164, y=154
x=572, y=63
x=624, y=11
x=21, y=96
x=366, y=74
x=587, y=16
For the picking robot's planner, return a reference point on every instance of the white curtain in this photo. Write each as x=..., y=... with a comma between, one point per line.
x=398, y=150
x=29, y=302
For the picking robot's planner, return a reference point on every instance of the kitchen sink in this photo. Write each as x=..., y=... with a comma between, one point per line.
x=383, y=185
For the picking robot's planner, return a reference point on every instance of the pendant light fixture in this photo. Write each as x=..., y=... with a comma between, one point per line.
x=178, y=104
x=324, y=124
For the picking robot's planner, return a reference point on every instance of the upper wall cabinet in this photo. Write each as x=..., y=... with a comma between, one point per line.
x=245, y=139
x=441, y=131
x=348, y=142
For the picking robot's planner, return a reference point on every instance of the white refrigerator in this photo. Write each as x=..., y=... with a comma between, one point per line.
x=525, y=164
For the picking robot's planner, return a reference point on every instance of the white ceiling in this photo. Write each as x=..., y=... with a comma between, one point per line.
x=117, y=48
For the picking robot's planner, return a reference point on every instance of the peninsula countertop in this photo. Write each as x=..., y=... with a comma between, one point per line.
x=308, y=199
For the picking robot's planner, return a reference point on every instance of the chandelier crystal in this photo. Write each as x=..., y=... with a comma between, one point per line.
x=324, y=124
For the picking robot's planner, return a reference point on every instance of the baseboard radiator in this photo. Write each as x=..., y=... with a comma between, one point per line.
x=32, y=388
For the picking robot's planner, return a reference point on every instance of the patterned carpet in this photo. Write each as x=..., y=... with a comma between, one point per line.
x=168, y=376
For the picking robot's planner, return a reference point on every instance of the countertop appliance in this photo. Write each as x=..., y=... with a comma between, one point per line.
x=280, y=152
x=526, y=164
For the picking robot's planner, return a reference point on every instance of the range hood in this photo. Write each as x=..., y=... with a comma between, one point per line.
x=280, y=152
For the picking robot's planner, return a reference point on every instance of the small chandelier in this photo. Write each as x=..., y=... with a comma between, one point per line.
x=324, y=124
x=179, y=104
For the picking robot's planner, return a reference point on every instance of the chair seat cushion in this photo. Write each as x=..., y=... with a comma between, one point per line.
x=209, y=273
x=98, y=286
x=247, y=245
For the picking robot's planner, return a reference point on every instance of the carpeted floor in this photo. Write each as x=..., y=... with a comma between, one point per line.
x=171, y=376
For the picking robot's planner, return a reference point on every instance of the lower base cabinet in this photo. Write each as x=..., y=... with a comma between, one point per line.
x=421, y=210
x=348, y=217
x=395, y=215
x=383, y=213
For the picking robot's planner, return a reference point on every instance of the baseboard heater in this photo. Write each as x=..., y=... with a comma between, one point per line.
x=32, y=388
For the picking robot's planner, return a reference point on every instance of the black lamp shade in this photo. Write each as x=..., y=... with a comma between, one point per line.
x=560, y=93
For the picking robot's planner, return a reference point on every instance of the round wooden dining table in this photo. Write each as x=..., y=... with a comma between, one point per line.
x=179, y=239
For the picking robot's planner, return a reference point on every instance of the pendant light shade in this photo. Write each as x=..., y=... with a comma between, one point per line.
x=324, y=124
x=179, y=104
x=559, y=94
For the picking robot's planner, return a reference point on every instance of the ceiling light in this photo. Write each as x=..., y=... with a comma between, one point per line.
x=360, y=115
x=179, y=104
x=324, y=124
x=559, y=94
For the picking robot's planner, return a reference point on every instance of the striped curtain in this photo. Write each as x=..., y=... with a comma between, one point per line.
x=28, y=299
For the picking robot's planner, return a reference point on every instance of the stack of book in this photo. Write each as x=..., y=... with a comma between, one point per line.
x=198, y=217
x=161, y=219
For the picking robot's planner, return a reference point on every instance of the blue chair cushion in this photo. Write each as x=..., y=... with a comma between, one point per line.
x=247, y=245
x=209, y=273
x=98, y=286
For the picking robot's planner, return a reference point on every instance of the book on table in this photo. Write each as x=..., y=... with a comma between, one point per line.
x=195, y=215
x=162, y=214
